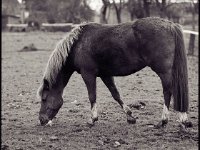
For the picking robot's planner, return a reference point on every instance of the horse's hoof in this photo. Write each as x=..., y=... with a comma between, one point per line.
x=188, y=124
x=91, y=121
x=184, y=125
x=161, y=124
x=95, y=119
x=131, y=120
x=90, y=125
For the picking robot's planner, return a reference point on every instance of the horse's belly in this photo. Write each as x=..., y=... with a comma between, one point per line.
x=119, y=70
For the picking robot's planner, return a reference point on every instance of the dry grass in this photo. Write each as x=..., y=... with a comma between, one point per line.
x=21, y=74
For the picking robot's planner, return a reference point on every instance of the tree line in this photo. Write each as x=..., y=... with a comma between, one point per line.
x=144, y=8
x=76, y=11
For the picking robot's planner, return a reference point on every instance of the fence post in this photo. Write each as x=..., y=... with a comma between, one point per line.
x=191, y=45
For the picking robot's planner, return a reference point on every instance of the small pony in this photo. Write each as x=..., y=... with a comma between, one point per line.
x=95, y=50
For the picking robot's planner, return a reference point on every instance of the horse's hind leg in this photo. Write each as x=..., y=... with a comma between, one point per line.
x=90, y=81
x=109, y=82
x=166, y=79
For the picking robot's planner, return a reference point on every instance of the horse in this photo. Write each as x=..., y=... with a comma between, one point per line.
x=98, y=50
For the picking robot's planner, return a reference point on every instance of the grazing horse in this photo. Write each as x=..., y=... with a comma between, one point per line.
x=95, y=50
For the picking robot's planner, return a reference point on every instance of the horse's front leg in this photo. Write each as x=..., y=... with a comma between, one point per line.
x=90, y=81
x=109, y=82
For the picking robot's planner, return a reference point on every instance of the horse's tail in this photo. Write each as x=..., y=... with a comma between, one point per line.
x=179, y=73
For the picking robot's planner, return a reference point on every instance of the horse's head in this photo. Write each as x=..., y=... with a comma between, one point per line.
x=51, y=102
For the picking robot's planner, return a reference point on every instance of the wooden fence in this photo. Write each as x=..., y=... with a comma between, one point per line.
x=17, y=27
x=65, y=27
x=191, y=40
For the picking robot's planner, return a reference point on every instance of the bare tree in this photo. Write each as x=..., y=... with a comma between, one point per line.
x=131, y=8
x=118, y=9
x=106, y=5
x=135, y=8
x=146, y=7
x=162, y=7
x=193, y=14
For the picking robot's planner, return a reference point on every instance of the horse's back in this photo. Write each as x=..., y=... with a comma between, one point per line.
x=111, y=49
x=125, y=48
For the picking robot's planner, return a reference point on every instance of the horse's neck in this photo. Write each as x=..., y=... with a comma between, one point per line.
x=60, y=84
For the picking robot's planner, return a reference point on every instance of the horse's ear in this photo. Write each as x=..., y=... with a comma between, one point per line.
x=46, y=85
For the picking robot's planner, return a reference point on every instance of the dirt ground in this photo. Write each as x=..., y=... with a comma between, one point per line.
x=22, y=73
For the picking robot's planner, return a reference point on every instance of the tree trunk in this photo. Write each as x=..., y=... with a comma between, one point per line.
x=22, y=12
x=146, y=8
x=103, y=18
x=132, y=16
x=193, y=17
x=139, y=12
x=103, y=15
x=118, y=17
x=163, y=9
x=131, y=8
x=118, y=10
x=158, y=4
x=192, y=36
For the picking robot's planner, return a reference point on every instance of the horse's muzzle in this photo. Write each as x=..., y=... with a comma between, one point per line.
x=43, y=119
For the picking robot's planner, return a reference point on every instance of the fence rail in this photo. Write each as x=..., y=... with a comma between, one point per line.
x=191, y=32
x=56, y=24
x=17, y=25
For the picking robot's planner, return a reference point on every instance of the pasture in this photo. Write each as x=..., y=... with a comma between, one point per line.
x=22, y=73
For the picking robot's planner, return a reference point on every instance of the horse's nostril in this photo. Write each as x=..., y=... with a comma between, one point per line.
x=41, y=122
x=43, y=119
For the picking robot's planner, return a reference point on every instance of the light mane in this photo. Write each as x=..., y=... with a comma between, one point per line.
x=59, y=55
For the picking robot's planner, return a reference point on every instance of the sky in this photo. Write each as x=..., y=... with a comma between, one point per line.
x=96, y=4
